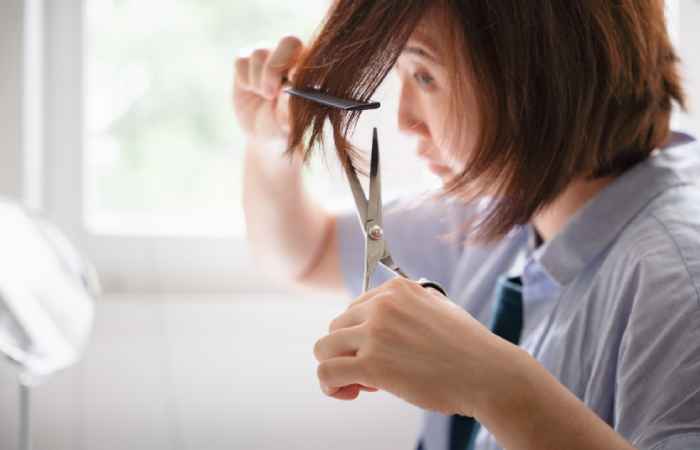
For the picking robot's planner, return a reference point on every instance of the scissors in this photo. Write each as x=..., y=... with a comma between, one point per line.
x=369, y=211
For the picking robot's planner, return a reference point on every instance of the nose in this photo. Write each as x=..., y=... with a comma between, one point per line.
x=410, y=113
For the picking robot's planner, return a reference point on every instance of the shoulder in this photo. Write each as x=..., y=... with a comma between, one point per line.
x=446, y=212
x=442, y=221
x=658, y=254
x=656, y=264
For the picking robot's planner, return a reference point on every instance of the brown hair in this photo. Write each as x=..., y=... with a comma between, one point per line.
x=564, y=89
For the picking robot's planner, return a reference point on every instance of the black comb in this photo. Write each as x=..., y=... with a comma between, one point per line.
x=329, y=100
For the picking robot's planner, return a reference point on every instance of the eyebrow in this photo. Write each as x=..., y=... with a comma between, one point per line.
x=418, y=52
x=422, y=50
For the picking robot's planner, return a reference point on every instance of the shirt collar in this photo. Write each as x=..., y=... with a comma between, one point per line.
x=595, y=226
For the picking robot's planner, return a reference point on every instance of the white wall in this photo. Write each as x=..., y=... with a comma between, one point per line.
x=205, y=373
x=689, y=49
x=11, y=50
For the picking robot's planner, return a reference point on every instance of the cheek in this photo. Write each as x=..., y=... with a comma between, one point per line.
x=455, y=141
x=438, y=119
x=460, y=135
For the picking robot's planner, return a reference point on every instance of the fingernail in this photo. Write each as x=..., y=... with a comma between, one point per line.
x=329, y=391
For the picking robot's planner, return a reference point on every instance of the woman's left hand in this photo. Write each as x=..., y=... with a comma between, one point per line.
x=416, y=344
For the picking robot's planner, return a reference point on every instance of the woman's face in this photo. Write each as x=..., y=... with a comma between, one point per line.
x=425, y=101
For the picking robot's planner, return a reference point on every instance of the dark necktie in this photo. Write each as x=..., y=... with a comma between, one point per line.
x=507, y=323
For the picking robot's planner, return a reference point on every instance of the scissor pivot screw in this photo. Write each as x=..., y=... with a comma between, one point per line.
x=376, y=232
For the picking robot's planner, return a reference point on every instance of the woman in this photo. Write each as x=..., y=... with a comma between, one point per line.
x=549, y=124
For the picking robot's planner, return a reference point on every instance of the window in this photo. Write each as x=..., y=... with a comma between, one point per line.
x=144, y=159
x=162, y=152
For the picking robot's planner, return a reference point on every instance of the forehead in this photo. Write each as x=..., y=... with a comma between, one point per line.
x=428, y=35
x=422, y=47
x=424, y=36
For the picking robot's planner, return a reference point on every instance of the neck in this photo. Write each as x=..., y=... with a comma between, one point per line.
x=552, y=219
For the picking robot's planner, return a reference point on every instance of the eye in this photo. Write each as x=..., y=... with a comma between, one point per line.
x=424, y=79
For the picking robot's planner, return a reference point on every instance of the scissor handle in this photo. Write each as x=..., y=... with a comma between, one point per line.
x=431, y=285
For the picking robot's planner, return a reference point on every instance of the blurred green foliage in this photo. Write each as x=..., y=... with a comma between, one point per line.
x=160, y=75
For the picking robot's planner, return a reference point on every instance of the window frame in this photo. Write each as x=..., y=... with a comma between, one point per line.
x=126, y=263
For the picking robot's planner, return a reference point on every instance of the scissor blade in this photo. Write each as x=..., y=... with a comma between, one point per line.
x=358, y=194
x=388, y=262
x=375, y=252
x=370, y=267
x=374, y=208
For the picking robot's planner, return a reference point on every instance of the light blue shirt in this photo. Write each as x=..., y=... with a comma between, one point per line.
x=611, y=304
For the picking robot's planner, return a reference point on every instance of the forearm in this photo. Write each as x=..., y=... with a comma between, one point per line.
x=529, y=409
x=285, y=227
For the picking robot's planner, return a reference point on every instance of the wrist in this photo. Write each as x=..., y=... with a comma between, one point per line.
x=519, y=405
x=506, y=385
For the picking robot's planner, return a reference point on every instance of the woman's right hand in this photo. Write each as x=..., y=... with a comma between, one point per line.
x=262, y=109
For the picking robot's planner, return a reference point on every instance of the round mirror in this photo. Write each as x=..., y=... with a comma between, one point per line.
x=46, y=301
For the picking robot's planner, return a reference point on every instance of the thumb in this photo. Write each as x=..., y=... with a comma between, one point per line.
x=282, y=111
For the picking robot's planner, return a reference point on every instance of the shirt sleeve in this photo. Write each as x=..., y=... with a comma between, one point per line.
x=425, y=240
x=657, y=398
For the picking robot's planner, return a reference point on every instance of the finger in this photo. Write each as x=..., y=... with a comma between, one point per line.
x=278, y=64
x=331, y=392
x=396, y=287
x=345, y=341
x=291, y=72
x=350, y=318
x=369, y=295
x=342, y=371
x=346, y=392
x=350, y=392
x=241, y=68
x=367, y=388
x=282, y=111
x=257, y=62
